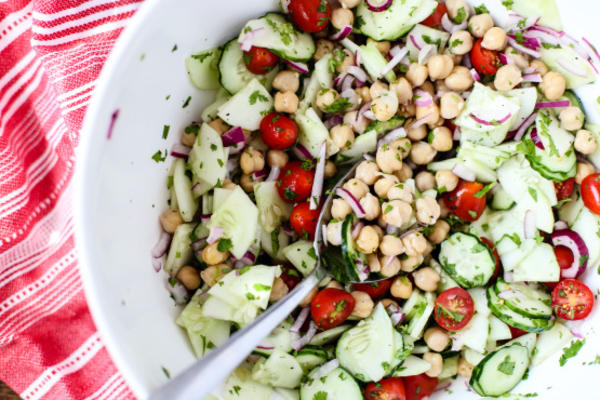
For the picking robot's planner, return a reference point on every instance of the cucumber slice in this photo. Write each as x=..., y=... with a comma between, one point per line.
x=401, y=351
x=570, y=210
x=218, y=309
x=418, y=309
x=272, y=210
x=212, y=110
x=467, y=260
x=240, y=385
x=491, y=157
x=480, y=301
x=280, y=369
x=501, y=371
x=312, y=133
x=302, y=256
x=425, y=34
x=279, y=339
x=374, y=62
x=234, y=75
x=587, y=225
x=527, y=98
x=187, y=203
x=529, y=300
x=310, y=357
x=444, y=165
x=247, y=107
x=329, y=335
x=207, y=160
x=514, y=319
x=446, y=282
x=527, y=341
x=363, y=144
x=498, y=329
x=180, y=252
x=413, y=365
x=546, y=11
x=539, y=266
x=382, y=127
x=549, y=342
x=475, y=334
x=275, y=33
x=367, y=350
x=450, y=368
x=568, y=56
x=338, y=384
x=471, y=356
x=321, y=78
x=248, y=286
x=273, y=243
x=501, y=200
x=354, y=258
x=202, y=68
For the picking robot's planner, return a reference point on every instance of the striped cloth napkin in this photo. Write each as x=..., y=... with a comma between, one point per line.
x=51, y=53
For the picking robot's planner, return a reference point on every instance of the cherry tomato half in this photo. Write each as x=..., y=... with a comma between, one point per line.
x=489, y=244
x=590, y=192
x=295, y=181
x=454, y=309
x=374, y=289
x=290, y=276
x=464, y=201
x=386, y=389
x=304, y=220
x=310, y=15
x=331, y=307
x=278, y=131
x=564, y=188
x=572, y=299
x=419, y=387
x=435, y=18
x=564, y=256
x=484, y=61
x=259, y=60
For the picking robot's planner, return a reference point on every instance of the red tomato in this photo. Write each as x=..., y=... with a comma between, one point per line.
x=489, y=244
x=435, y=18
x=386, y=389
x=572, y=299
x=331, y=307
x=310, y=15
x=463, y=201
x=295, y=181
x=304, y=220
x=278, y=131
x=374, y=289
x=564, y=256
x=516, y=332
x=259, y=60
x=564, y=188
x=290, y=276
x=484, y=61
x=419, y=386
x=590, y=191
x=454, y=309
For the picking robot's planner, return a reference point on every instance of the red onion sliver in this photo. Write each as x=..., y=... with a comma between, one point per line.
x=300, y=319
x=342, y=33
x=356, y=229
x=571, y=68
x=300, y=341
x=215, y=234
x=156, y=264
x=265, y=347
x=422, y=98
x=180, y=151
x=111, y=125
x=177, y=290
x=397, y=318
x=298, y=66
x=490, y=123
x=456, y=133
x=368, y=157
x=333, y=121
x=572, y=240
x=369, y=115
x=475, y=74
x=317, y=188
x=450, y=27
x=358, y=72
x=373, y=6
x=391, y=229
x=248, y=39
x=463, y=173
x=553, y=104
x=162, y=245
x=427, y=51
x=504, y=59
x=414, y=42
x=524, y=126
x=354, y=204
x=400, y=54
x=365, y=107
x=529, y=225
x=559, y=225
x=523, y=49
x=391, y=136
x=273, y=174
x=301, y=152
x=537, y=78
x=325, y=369
x=420, y=122
x=324, y=234
x=233, y=136
x=591, y=46
x=256, y=175
x=536, y=139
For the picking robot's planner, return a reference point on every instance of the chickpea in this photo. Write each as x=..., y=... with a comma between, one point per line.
x=349, y=3
x=403, y=145
x=424, y=181
x=494, y=39
x=188, y=139
x=428, y=87
x=228, y=184
x=460, y=79
x=439, y=66
x=340, y=209
x=480, y=24
x=287, y=81
x=396, y=212
x=436, y=362
x=325, y=98
x=388, y=158
x=451, y=104
x=385, y=106
x=286, y=102
x=363, y=304
x=585, y=142
x=219, y=126
x=357, y=188
x=370, y=204
x=278, y=290
x=539, y=66
x=373, y=262
x=330, y=169
x=426, y=279
x=383, y=46
x=417, y=74
x=214, y=273
x=440, y=231
x=410, y=263
x=583, y=170
x=401, y=287
x=334, y=285
x=414, y=243
x=309, y=297
x=323, y=47
x=189, y=277
x=519, y=59
x=342, y=136
x=334, y=233
x=247, y=182
x=368, y=172
x=553, y=85
x=403, y=90
x=401, y=192
x=341, y=17
x=407, y=110
x=346, y=62
x=444, y=211
x=170, y=220
x=428, y=210
x=431, y=114
x=571, y=118
x=384, y=184
x=391, y=246
x=460, y=43
x=377, y=88
x=251, y=160
x=404, y=173
x=388, y=302
x=364, y=94
x=277, y=158
x=390, y=267
x=445, y=181
x=379, y=231
x=465, y=369
x=415, y=134
x=454, y=10
x=436, y=338
x=422, y=153
x=358, y=124
x=507, y=77
x=442, y=139
x=212, y=256
x=367, y=240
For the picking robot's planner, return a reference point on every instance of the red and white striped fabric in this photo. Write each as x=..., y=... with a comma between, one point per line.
x=51, y=53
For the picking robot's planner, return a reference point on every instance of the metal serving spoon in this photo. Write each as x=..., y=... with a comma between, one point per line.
x=200, y=379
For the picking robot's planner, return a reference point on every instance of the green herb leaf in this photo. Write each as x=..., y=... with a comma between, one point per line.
x=482, y=9
x=507, y=367
x=485, y=189
x=571, y=351
x=339, y=105
x=224, y=245
x=257, y=95
x=165, y=133
x=159, y=157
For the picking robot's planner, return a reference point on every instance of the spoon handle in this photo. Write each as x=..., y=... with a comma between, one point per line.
x=200, y=379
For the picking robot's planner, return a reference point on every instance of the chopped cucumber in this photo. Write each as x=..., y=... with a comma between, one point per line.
x=529, y=340
x=280, y=369
x=446, y=282
x=501, y=371
x=302, y=256
x=498, y=329
x=202, y=68
x=382, y=127
x=240, y=385
x=374, y=62
x=529, y=300
x=427, y=35
x=587, y=225
x=207, y=160
x=545, y=10
x=471, y=356
x=215, y=307
x=212, y=110
x=279, y=339
x=475, y=334
x=549, y=342
x=467, y=260
x=310, y=357
x=491, y=157
x=247, y=286
x=355, y=260
x=312, y=133
x=247, y=107
x=553, y=58
x=480, y=301
x=501, y=200
x=180, y=252
x=413, y=365
x=449, y=368
x=273, y=243
x=329, y=335
x=527, y=99
x=514, y=319
x=187, y=203
x=272, y=210
x=363, y=144
x=418, y=309
x=338, y=384
x=539, y=266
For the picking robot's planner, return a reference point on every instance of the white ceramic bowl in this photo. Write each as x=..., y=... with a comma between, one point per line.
x=121, y=191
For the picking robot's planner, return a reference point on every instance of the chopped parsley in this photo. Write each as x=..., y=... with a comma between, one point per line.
x=532, y=193
x=461, y=14
x=224, y=245
x=257, y=95
x=507, y=3
x=485, y=189
x=174, y=49
x=571, y=351
x=166, y=372
x=275, y=241
x=427, y=39
x=186, y=102
x=339, y=105
x=507, y=366
x=202, y=56
x=259, y=287
x=159, y=157
x=320, y=395
x=165, y=133
x=482, y=9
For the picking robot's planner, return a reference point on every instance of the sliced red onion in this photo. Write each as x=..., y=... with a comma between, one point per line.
x=265, y=347
x=523, y=49
x=592, y=65
x=537, y=78
x=530, y=42
x=368, y=157
x=397, y=318
x=536, y=139
x=301, y=152
x=256, y=175
x=388, y=261
x=578, y=335
x=391, y=136
x=111, y=125
x=342, y=33
x=325, y=369
x=451, y=27
x=442, y=385
x=490, y=123
x=273, y=174
x=553, y=104
x=248, y=39
x=178, y=292
x=571, y=68
x=300, y=320
x=338, y=79
x=377, y=6
x=357, y=56
x=463, y=173
x=156, y=264
x=414, y=42
x=422, y=98
x=572, y=240
x=558, y=225
x=247, y=259
x=347, y=83
x=524, y=126
x=333, y=121
x=215, y=234
x=475, y=74
x=317, y=188
x=353, y=98
x=427, y=51
x=545, y=29
x=543, y=37
x=232, y=165
x=391, y=229
x=180, y=151
x=420, y=122
x=504, y=59
x=233, y=136
x=396, y=58
x=365, y=107
x=456, y=133
x=356, y=229
x=369, y=115
x=298, y=66
x=324, y=234
x=529, y=225
x=162, y=245
x=530, y=70
x=298, y=342
x=358, y=72
x=466, y=61
x=363, y=271
x=288, y=230
x=591, y=46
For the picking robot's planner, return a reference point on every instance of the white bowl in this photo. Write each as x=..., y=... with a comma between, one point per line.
x=120, y=191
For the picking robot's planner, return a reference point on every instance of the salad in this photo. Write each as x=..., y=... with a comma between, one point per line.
x=454, y=249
